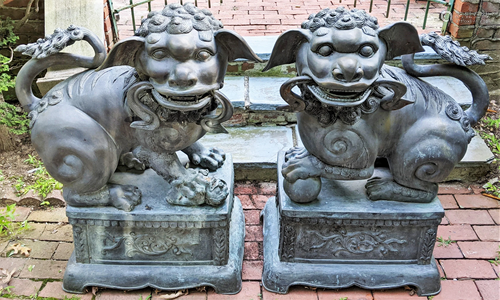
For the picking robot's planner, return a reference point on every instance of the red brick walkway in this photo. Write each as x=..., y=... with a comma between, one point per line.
x=272, y=17
x=470, y=235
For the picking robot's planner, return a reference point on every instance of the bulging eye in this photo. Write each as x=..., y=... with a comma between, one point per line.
x=203, y=55
x=366, y=51
x=325, y=50
x=159, y=54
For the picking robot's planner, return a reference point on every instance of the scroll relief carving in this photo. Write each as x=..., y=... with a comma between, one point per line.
x=151, y=244
x=340, y=240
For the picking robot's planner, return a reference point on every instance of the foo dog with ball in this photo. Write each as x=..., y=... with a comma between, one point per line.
x=340, y=216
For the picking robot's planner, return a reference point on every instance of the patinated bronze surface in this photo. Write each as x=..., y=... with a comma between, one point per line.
x=353, y=109
x=156, y=93
x=369, y=132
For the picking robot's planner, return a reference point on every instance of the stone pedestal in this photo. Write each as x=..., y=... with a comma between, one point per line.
x=343, y=239
x=158, y=245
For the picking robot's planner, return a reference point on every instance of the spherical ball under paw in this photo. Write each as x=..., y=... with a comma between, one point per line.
x=303, y=190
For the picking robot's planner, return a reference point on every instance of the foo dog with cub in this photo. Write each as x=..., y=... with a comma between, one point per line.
x=354, y=109
x=154, y=94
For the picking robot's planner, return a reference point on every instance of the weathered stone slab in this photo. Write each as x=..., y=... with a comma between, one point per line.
x=453, y=87
x=253, y=149
x=477, y=153
x=252, y=144
x=264, y=92
x=234, y=89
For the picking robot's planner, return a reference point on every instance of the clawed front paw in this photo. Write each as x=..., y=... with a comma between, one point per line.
x=299, y=166
x=210, y=158
x=377, y=188
x=124, y=197
x=195, y=189
x=295, y=152
x=385, y=189
x=130, y=161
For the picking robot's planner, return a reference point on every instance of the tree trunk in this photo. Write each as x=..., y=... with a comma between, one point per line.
x=7, y=141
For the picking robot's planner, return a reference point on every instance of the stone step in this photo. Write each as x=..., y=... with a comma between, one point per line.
x=262, y=93
x=254, y=151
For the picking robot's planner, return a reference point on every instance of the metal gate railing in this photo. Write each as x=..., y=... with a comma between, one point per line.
x=115, y=11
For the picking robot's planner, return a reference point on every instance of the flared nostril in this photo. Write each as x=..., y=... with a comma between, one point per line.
x=348, y=75
x=358, y=75
x=338, y=75
x=182, y=82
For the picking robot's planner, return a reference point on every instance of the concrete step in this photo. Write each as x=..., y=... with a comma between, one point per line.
x=254, y=151
x=262, y=93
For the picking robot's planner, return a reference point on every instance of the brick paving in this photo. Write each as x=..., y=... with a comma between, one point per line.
x=273, y=17
x=466, y=263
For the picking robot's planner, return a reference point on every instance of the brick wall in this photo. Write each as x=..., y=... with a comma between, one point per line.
x=476, y=23
x=109, y=37
x=33, y=29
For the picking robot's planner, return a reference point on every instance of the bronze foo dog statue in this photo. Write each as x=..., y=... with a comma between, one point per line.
x=156, y=93
x=354, y=109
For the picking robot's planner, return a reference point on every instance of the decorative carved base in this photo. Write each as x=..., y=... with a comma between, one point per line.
x=343, y=239
x=157, y=244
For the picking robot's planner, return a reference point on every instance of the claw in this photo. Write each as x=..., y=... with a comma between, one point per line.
x=211, y=158
x=196, y=188
x=124, y=197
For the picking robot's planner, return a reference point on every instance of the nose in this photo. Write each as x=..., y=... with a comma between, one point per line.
x=348, y=70
x=182, y=77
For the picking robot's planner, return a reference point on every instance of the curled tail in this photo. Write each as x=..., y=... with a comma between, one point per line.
x=462, y=57
x=45, y=54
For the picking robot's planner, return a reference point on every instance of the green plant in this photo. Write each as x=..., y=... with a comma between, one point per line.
x=10, y=115
x=442, y=242
x=7, y=219
x=492, y=189
x=19, y=185
x=492, y=122
x=7, y=225
x=32, y=160
x=496, y=260
x=13, y=117
x=44, y=183
x=7, y=40
x=2, y=178
x=31, y=267
x=493, y=141
x=6, y=289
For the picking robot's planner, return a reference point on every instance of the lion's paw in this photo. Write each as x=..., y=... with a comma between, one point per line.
x=210, y=158
x=124, y=197
x=295, y=152
x=130, y=161
x=196, y=189
x=300, y=167
x=385, y=189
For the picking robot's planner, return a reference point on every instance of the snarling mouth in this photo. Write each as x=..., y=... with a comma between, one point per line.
x=183, y=103
x=339, y=97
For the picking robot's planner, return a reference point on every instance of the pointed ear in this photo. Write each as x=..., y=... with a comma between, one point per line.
x=235, y=46
x=124, y=53
x=401, y=38
x=286, y=47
